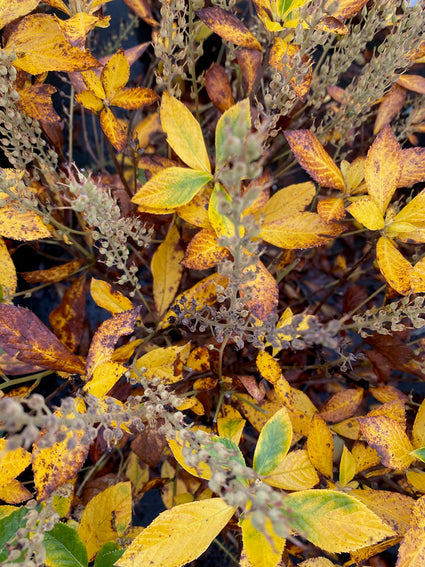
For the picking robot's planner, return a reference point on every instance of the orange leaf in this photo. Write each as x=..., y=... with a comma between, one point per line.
x=342, y=405
x=115, y=74
x=331, y=209
x=8, y=277
x=383, y=168
x=263, y=291
x=366, y=211
x=249, y=60
x=413, y=167
x=131, y=99
x=218, y=87
x=23, y=333
x=346, y=8
x=389, y=108
x=331, y=24
x=412, y=549
x=41, y=46
x=105, y=338
x=109, y=298
x=203, y=252
x=389, y=439
x=55, y=274
x=312, y=156
x=67, y=320
x=89, y=100
x=76, y=28
x=320, y=446
x=113, y=129
x=415, y=83
x=228, y=27
x=394, y=267
x=36, y=101
x=142, y=9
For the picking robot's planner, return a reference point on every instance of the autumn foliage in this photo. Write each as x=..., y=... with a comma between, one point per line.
x=212, y=283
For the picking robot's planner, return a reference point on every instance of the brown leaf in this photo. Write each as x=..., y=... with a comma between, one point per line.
x=331, y=24
x=21, y=331
x=142, y=9
x=149, y=445
x=67, y=320
x=105, y=338
x=346, y=8
x=251, y=386
x=228, y=27
x=218, y=87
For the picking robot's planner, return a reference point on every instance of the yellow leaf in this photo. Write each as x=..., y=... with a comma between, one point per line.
x=320, y=446
x=199, y=359
x=366, y=212
x=394, y=267
x=108, y=298
x=220, y=221
x=203, y=252
x=164, y=363
x=196, y=212
x=10, y=11
x=418, y=432
x=105, y=376
x=412, y=549
x=89, y=100
x=171, y=188
x=261, y=549
x=184, y=133
x=288, y=202
x=414, y=212
x=166, y=267
x=389, y=439
x=317, y=562
x=55, y=274
x=418, y=277
x=94, y=84
x=231, y=428
x=345, y=9
x=41, y=46
x=36, y=101
x=303, y=230
x=257, y=413
x=115, y=74
x=54, y=466
x=413, y=167
x=342, y=405
x=268, y=367
x=365, y=456
x=353, y=174
x=177, y=445
x=228, y=27
x=134, y=98
x=22, y=225
x=179, y=535
x=347, y=467
x=8, y=277
x=107, y=335
x=12, y=464
x=76, y=28
x=417, y=480
x=387, y=394
x=383, y=168
x=273, y=443
x=415, y=83
x=312, y=156
x=393, y=508
x=348, y=428
x=113, y=129
x=106, y=517
x=334, y=521
x=294, y=472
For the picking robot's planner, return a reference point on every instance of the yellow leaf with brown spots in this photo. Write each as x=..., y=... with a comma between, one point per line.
x=12, y=464
x=228, y=27
x=115, y=74
x=412, y=549
x=113, y=129
x=394, y=266
x=164, y=363
x=41, y=46
x=342, y=405
x=8, y=277
x=389, y=439
x=294, y=472
x=203, y=252
x=10, y=11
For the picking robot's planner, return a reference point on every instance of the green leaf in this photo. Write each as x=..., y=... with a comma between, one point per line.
x=235, y=122
x=273, y=443
x=170, y=188
x=64, y=548
x=184, y=133
x=334, y=521
x=419, y=454
x=108, y=554
x=10, y=522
